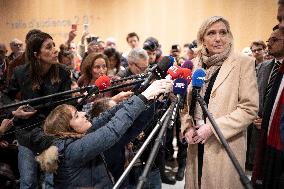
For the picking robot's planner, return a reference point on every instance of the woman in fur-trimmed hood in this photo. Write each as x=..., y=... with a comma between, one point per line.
x=76, y=161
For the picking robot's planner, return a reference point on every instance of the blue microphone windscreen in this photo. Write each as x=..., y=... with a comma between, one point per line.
x=172, y=61
x=180, y=86
x=198, y=78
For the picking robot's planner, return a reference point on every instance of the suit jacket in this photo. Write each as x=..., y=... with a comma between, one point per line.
x=262, y=75
x=234, y=104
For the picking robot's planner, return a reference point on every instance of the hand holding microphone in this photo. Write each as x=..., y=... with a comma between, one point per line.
x=158, y=87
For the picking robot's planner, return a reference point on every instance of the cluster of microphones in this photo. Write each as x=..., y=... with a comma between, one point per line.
x=162, y=70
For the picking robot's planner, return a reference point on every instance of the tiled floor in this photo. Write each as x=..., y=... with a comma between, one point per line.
x=178, y=185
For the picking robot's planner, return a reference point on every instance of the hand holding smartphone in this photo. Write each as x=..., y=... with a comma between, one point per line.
x=74, y=27
x=28, y=108
x=86, y=27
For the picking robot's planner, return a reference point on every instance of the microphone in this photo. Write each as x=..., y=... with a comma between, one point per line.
x=157, y=71
x=198, y=79
x=103, y=82
x=174, y=72
x=186, y=74
x=179, y=88
x=197, y=82
x=187, y=64
x=163, y=66
x=100, y=84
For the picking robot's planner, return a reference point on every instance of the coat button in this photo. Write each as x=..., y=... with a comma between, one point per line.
x=213, y=94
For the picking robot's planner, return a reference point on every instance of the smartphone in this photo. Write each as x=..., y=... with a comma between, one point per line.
x=90, y=39
x=174, y=47
x=86, y=27
x=74, y=27
x=28, y=108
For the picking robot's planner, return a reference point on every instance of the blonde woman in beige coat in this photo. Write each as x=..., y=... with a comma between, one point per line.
x=233, y=102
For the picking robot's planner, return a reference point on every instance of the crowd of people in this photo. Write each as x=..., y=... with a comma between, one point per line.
x=75, y=143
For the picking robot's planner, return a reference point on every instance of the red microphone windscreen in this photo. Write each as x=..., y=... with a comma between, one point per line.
x=186, y=74
x=102, y=82
x=175, y=71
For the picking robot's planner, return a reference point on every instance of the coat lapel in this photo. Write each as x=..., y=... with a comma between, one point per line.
x=225, y=69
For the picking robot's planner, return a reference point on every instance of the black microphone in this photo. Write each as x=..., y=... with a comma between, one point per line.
x=158, y=71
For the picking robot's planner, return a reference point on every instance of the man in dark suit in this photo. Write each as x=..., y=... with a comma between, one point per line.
x=270, y=77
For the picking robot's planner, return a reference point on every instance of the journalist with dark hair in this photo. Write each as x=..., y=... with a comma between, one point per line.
x=40, y=75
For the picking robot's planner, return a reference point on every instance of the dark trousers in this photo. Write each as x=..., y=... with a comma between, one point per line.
x=182, y=148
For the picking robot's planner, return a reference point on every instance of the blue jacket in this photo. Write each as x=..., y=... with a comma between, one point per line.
x=80, y=164
x=115, y=156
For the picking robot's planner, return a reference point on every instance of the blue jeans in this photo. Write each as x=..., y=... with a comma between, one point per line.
x=153, y=180
x=28, y=168
x=48, y=181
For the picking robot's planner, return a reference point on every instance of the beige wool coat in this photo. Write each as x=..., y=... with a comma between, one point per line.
x=234, y=105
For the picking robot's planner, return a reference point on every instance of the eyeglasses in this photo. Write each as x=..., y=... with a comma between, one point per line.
x=141, y=68
x=273, y=39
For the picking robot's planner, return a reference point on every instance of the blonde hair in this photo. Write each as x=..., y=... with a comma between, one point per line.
x=57, y=122
x=208, y=23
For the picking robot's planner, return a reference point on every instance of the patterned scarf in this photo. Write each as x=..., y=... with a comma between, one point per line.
x=213, y=64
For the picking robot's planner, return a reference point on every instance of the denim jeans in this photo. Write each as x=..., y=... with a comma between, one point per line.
x=48, y=181
x=28, y=168
x=153, y=180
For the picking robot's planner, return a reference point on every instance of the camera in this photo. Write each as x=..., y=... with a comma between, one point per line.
x=92, y=39
x=175, y=48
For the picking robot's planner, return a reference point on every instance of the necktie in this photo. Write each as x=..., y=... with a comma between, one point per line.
x=274, y=72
